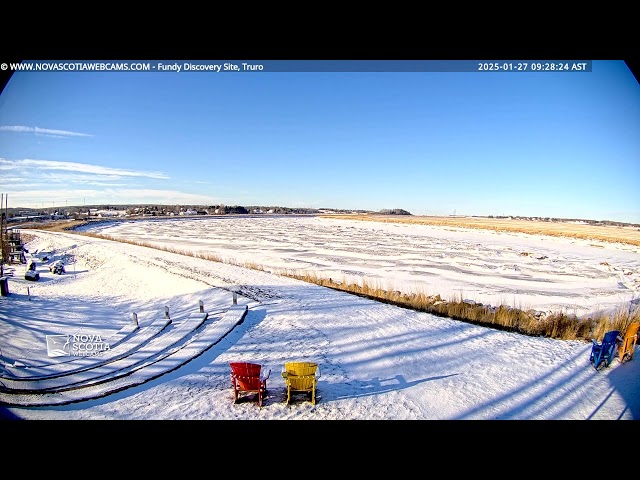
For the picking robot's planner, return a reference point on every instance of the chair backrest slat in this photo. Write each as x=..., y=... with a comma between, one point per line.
x=301, y=375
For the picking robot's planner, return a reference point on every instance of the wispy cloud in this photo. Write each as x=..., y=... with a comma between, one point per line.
x=163, y=196
x=77, y=167
x=42, y=131
x=85, y=179
x=11, y=180
x=38, y=183
x=35, y=198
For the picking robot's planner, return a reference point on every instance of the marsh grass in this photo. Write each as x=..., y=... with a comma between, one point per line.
x=627, y=235
x=557, y=325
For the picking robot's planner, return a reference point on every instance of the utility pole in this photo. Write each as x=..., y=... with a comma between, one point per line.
x=1, y=237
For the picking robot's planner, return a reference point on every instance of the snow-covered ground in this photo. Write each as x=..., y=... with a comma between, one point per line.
x=377, y=361
x=524, y=271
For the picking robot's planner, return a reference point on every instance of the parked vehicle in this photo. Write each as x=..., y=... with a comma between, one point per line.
x=57, y=267
x=31, y=275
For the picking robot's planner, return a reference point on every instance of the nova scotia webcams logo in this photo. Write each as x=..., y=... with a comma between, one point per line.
x=58, y=345
x=76, y=345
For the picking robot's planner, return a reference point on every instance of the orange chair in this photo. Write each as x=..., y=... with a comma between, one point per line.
x=627, y=344
x=248, y=378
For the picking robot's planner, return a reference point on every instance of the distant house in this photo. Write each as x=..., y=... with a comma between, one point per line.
x=94, y=212
x=189, y=212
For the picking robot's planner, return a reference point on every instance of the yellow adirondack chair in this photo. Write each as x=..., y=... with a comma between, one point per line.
x=301, y=377
x=627, y=344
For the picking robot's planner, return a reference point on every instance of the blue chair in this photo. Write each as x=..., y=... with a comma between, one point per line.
x=602, y=353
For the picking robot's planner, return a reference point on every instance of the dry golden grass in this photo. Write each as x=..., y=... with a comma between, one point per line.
x=53, y=226
x=558, y=325
x=628, y=235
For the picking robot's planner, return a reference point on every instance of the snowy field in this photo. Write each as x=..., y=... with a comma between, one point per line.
x=377, y=361
x=523, y=271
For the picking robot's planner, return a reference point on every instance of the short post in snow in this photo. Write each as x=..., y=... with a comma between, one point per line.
x=235, y=298
x=201, y=306
x=166, y=312
x=134, y=319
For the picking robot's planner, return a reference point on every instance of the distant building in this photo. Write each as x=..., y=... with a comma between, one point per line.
x=189, y=212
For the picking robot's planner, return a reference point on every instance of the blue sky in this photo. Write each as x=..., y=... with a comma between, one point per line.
x=549, y=144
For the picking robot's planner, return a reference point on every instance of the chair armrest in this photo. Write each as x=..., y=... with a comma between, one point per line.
x=265, y=375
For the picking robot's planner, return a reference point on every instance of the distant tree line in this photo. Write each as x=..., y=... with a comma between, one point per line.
x=83, y=212
x=133, y=210
x=394, y=211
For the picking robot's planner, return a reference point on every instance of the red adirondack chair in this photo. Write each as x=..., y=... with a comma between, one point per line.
x=248, y=378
